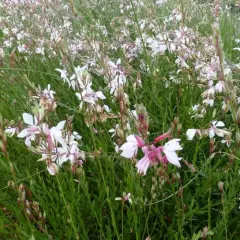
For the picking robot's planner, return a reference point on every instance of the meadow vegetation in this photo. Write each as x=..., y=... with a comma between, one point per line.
x=119, y=119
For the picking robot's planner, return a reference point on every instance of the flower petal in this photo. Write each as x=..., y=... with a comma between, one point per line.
x=28, y=119
x=173, y=158
x=60, y=125
x=129, y=149
x=220, y=124
x=172, y=145
x=23, y=133
x=191, y=133
x=211, y=133
x=143, y=165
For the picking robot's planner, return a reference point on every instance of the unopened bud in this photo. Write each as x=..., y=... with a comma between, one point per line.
x=214, y=113
x=220, y=186
x=143, y=119
x=27, y=203
x=238, y=137
x=28, y=212
x=204, y=232
x=120, y=133
x=179, y=128
x=2, y=54
x=238, y=116
x=176, y=120
x=98, y=108
x=11, y=184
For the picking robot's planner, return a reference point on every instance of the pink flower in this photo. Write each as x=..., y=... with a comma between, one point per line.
x=130, y=148
x=152, y=156
x=124, y=198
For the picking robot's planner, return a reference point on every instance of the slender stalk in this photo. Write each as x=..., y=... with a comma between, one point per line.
x=105, y=187
x=68, y=209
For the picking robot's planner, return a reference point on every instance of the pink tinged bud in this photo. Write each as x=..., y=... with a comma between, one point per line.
x=49, y=139
x=140, y=141
x=162, y=137
x=50, y=143
x=159, y=155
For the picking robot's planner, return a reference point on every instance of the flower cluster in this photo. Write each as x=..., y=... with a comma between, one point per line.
x=56, y=144
x=153, y=154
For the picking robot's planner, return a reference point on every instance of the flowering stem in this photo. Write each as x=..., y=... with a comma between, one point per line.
x=140, y=33
x=122, y=218
x=105, y=187
x=68, y=209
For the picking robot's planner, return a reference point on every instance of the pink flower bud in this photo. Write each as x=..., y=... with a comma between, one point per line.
x=162, y=137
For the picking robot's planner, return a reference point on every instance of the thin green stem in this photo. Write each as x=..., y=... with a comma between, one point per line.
x=68, y=209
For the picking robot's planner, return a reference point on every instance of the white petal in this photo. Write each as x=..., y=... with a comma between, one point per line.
x=219, y=132
x=191, y=133
x=214, y=122
x=172, y=145
x=220, y=124
x=173, y=158
x=52, y=168
x=129, y=149
x=23, y=133
x=100, y=95
x=131, y=138
x=28, y=141
x=28, y=119
x=60, y=125
x=143, y=165
x=116, y=148
x=211, y=133
x=79, y=96
x=106, y=108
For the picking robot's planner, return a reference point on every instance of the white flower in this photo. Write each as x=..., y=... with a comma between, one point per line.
x=64, y=74
x=40, y=50
x=56, y=133
x=214, y=130
x=220, y=86
x=124, y=198
x=209, y=102
x=22, y=48
x=114, y=131
x=90, y=96
x=170, y=149
x=195, y=107
x=31, y=130
x=10, y=131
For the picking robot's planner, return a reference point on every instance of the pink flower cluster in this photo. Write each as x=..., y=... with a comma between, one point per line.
x=153, y=154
